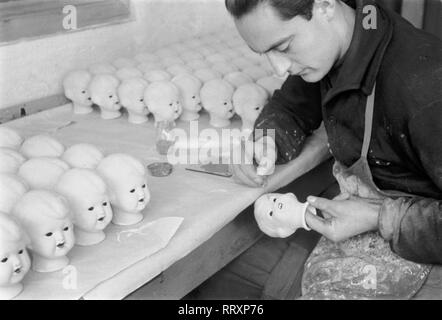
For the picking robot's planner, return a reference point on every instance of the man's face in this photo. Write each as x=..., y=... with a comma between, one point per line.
x=297, y=46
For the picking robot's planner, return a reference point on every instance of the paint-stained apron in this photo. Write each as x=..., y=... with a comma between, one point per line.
x=362, y=267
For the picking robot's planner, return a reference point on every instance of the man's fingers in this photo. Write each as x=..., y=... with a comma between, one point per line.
x=244, y=175
x=322, y=204
x=323, y=226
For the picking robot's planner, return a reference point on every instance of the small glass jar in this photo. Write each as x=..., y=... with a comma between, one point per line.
x=164, y=138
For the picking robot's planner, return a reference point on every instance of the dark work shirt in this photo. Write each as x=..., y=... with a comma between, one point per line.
x=406, y=146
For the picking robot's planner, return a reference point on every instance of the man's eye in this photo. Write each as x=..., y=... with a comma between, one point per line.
x=91, y=208
x=49, y=234
x=132, y=191
x=4, y=260
x=280, y=205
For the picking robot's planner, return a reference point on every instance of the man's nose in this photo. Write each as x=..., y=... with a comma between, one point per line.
x=280, y=63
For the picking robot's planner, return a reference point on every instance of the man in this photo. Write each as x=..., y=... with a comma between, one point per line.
x=375, y=81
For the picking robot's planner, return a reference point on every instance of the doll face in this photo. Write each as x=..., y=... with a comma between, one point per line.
x=52, y=238
x=249, y=102
x=104, y=92
x=164, y=101
x=132, y=98
x=219, y=104
x=14, y=262
x=190, y=92
x=76, y=87
x=133, y=195
x=274, y=213
x=110, y=99
x=93, y=214
x=81, y=95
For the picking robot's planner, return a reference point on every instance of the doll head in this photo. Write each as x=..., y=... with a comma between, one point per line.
x=82, y=156
x=207, y=74
x=14, y=258
x=146, y=57
x=103, y=90
x=237, y=79
x=163, y=100
x=128, y=73
x=91, y=210
x=42, y=173
x=224, y=68
x=41, y=145
x=76, y=89
x=131, y=93
x=10, y=160
x=102, y=68
x=178, y=69
x=191, y=55
x=146, y=67
x=205, y=50
x=9, y=138
x=280, y=215
x=198, y=64
x=216, y=57
x=125, y=177
x=157, y=75
x=170, y=61
x=256, y=72
x=189, y=87
x=271, y=84
x=216, y=97
x=45, y=218
x=12, y=188
x=124, y=63
x=249, y=100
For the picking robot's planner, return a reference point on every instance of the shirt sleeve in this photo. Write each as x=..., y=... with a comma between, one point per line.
x=414, y=225
x=293, y=112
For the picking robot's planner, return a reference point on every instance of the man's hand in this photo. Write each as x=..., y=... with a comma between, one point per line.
x=264, y=153
x=344, y=218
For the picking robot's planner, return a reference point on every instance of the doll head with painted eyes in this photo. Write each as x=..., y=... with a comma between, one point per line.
x=216, y=97
x=131, y=93
x=189, y=87
x=280, y=215
x=125, y=177
x=46, y=219
x=103, y=89
x=14, y=258
x=249, y=100
x=91, y=210
x=76, y=85
x=163, y=100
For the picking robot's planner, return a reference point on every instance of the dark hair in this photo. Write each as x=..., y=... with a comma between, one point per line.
x=287, y=9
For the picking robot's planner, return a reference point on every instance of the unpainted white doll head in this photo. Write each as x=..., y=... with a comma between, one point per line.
x=14, y=258
x=146, y=57
x=224, y=68
x=216, y=97
x=90, y=206
x=76, y=88
x=82, y=156
x=165, y=53
x=124, y=63
x=248, y=101
x=102, y=68
x=103, y=90
x=42, y=173
x=242, y=63
x=205, y=50
x=170, y=61
x=178, y=69
x=198, y=64
x=157, y=75
x=207, y=74
x=216, y=57
x=41, y=145
x=46, y=219
x=280, y=215
x=271, y=84
x=256, y=72
x=190, y=88
x=12, y=188
x=10, y=160
x=9, y=138
x=128, y=73
x=145, y=67
x=125, y=177
x=191, y=55
x=163, y=100
x=237, y=79
x=131, y=93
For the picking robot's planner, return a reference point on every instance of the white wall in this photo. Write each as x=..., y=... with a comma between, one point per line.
x=34, y=69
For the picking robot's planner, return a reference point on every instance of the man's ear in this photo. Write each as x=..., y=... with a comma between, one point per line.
x=325, y=8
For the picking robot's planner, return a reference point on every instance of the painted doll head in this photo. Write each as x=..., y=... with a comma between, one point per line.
x=280, y=215
x=76, y=88
x=216, y=97
x=12, y=188
x=249, y=100
x=103, y=90
x=91, y=210
x=131, y=93
x=163, y=100
x=14, y=258
x=41, y=145
x=46, y=219
x=82, y=156
x=42, y=173
x=10, y=160
x=189, y=87
x=125, y=177
x=9, y=138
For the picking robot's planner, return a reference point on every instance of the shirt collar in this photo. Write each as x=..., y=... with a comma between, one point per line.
x=364, y=56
